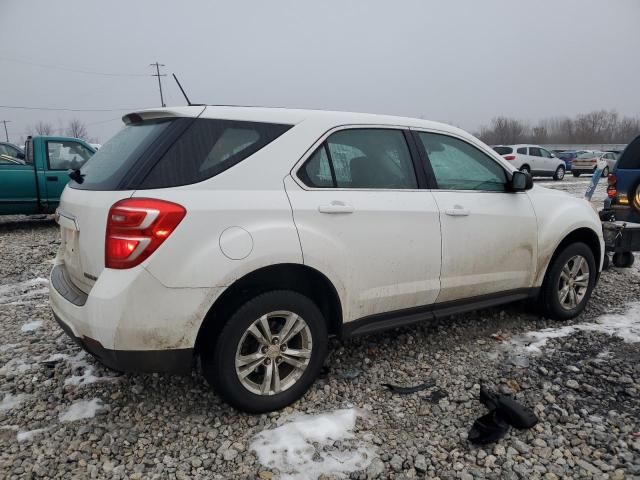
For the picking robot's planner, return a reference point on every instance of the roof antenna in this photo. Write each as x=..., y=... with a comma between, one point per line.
x=182, y=90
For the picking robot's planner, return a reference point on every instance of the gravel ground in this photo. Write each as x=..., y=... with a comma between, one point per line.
x=63, y=415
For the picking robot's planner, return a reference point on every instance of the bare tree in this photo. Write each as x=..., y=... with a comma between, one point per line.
x=41, y=128
x=77, y=129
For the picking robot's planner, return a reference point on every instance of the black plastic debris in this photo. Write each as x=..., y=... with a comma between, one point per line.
x=407, y=390
x=504, y=412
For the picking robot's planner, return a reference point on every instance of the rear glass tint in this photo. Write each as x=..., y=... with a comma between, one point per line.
x=173, y=152
x=108, y=167
x=209, y=147
x=503, y=150
x=630, y=158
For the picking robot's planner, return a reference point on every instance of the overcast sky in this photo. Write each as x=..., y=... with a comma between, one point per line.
x=461, y=62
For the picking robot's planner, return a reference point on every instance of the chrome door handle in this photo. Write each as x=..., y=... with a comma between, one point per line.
x=336, y=207
x=457, y=211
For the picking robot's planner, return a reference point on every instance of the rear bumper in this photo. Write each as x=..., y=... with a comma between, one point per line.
x=129, y=320
x=134, y=361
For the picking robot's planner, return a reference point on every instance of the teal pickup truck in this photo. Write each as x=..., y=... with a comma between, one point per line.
x=32, y=182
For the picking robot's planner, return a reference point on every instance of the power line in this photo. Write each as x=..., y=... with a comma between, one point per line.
x=73, y=109
x=157, y=74
x=75, y=70
x=6, y=134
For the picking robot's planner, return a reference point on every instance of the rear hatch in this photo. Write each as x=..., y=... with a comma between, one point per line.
x=155, y=150
x=105, y=179
x=586, y=161
x=626, y=174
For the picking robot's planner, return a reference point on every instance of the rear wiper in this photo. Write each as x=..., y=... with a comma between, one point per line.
x=76, y=175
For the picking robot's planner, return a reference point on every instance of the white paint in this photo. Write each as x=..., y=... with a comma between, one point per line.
x=28, y=435
x=31, y=326
x=290, y=449
x=625, y=326
x=11, y=401
x=81, y=410
x=236, y=243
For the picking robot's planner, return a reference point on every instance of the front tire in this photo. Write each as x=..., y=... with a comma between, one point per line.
x=525, y=169
x=559, y=173
x=569, y=282
x=268, y=353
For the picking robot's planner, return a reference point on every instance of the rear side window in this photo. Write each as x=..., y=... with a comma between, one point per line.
x=371, y=158
x=64, y=155
x=173, y=152
x=503, y=150
x=630, y=158
x=209, y=147
x=522, y=150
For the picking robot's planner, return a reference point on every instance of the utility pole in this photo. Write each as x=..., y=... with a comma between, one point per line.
x=157, y=74
x=6, y=134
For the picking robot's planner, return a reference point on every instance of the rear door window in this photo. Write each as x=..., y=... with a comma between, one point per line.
x=522, y=150
x=535, y=152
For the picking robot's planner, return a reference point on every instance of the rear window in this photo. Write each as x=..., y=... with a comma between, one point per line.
x=630, y=158
x=588, y=155
x=503, y=150
x=174, y=152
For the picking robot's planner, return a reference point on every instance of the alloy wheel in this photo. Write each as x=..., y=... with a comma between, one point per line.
x=273, y=353
x=574, y=282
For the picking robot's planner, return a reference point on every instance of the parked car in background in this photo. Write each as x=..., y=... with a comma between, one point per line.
x=33, y=183
x=11, y=154
x=623, y=191
x=588, y=162
x=569, y=156
x=245, y=237
x=533, y=159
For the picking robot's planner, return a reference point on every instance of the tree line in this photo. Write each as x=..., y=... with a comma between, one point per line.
x=74, y=128
x=600, y=126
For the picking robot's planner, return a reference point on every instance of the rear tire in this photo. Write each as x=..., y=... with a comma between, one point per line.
x=242, y=367
x=623, y=259
x=575, y=174
x=569, y=282
x=605, y=172
x=559, y=173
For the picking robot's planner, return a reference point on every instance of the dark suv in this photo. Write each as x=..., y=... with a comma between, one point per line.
x=623, y=190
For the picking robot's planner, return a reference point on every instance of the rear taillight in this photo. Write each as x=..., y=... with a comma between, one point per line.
x=136, y=227
x=612, y=189
x=509, y=157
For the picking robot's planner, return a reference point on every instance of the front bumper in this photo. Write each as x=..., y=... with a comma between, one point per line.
x=129, y=321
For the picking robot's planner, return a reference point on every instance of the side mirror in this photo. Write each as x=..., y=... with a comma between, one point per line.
x=521, y=181
x=20, y=156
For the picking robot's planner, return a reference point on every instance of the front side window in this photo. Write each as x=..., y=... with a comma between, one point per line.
x=458, y=165
x=544, y=153
x=535, y=152
x=64, y=155
x=371, y=158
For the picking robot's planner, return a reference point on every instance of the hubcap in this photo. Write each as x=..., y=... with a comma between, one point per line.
x=574, y=282
x=273, y=353
x=560, y=173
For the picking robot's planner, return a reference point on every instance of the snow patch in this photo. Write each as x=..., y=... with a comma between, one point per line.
x=17, y=293
x=625, y=326
x=11, y=401
x=15, y=366
x=79, y=361
x=24, y=436
x=302, y=448
x=31, y=326
x=81, y=410
x=8, y=346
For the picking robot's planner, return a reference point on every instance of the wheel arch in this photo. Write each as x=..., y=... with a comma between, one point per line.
x=584, y=235
x=284, y=276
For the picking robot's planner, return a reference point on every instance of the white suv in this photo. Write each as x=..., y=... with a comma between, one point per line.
x=247, y=236
x=533, y=159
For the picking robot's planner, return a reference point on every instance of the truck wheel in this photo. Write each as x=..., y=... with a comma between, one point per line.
x=569, y=282
x=575, y=174
x=605, y=172
x=623, y=259
x=559, y=174
x=268, y=353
